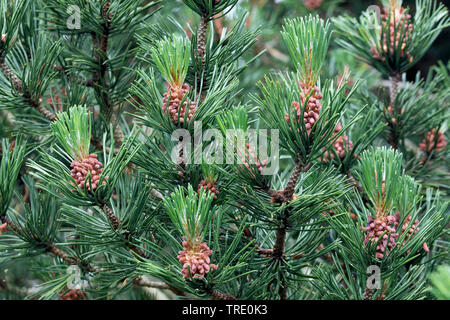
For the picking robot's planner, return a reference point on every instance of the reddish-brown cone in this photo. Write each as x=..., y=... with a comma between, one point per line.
x=387, y=227
x=195, y=260
x=428, y=144
x=384, y=227
x=209, y=186
x=250, y=157
x=172, y=99
x=80, y=170
x=398, y=19
x=341, y=145
x=312, y=109
x=74, y=294
x=411, y=231
x=251, y=154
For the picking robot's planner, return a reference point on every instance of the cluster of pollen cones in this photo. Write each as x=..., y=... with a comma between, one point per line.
x=429, y=144
x=172, y=100
x=195, y=260
x=251, y=158
x=394, y=19
x=313, y=106
x=385, y=230
x=341, y=146
x=81, y=169
x=210, y=186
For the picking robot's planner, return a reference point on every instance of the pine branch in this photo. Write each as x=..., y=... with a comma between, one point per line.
x=221, y=296
x=259, y=249
x=278, y=247
x=100, y=53
x=18, y=86
x=151, y=284
x=41, y=109
x=277, y=252
x=392, y=124
x=283, y=290
x=111, y=216
x=201, y=52
x=201, y=38
x=50, y=247
x=181, y=154
x=114, y=220
x=395, y=79
x=118, y=134
x=280, y=239
x=10, y=75
x=158, y=285
x=288, y=191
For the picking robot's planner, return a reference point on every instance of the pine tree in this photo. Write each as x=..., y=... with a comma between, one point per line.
x=108, y=191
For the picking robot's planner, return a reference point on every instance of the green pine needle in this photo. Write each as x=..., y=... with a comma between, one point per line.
x=171, y=56
x=10, y=164
x=307, y=40
x=381, y=176
x=191, y=214
x=73, y=131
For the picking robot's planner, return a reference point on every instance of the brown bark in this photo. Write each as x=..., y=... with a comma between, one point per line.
x=216, y=295
x=111, y=216
x=18, y=86
x=50, y=247
x=201, y=38
x=393, y=138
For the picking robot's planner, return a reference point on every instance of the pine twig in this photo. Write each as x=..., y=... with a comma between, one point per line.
x=280, y=239
x=216, y=295
x=18, y=86
x=282, y=291
x=118, y=134
x=42, y=110
x=201, y=50
x=181, y=154
x=115, y=224
x=395, y=80
x=50, y=247
x=393, y=139
x=259, y=249
x=151, y=284
x=9, y=74
x=98, y=78
x=278, y=247
x=158, y=285
x=288, y=191
x=111, y=216
x=201, y=38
